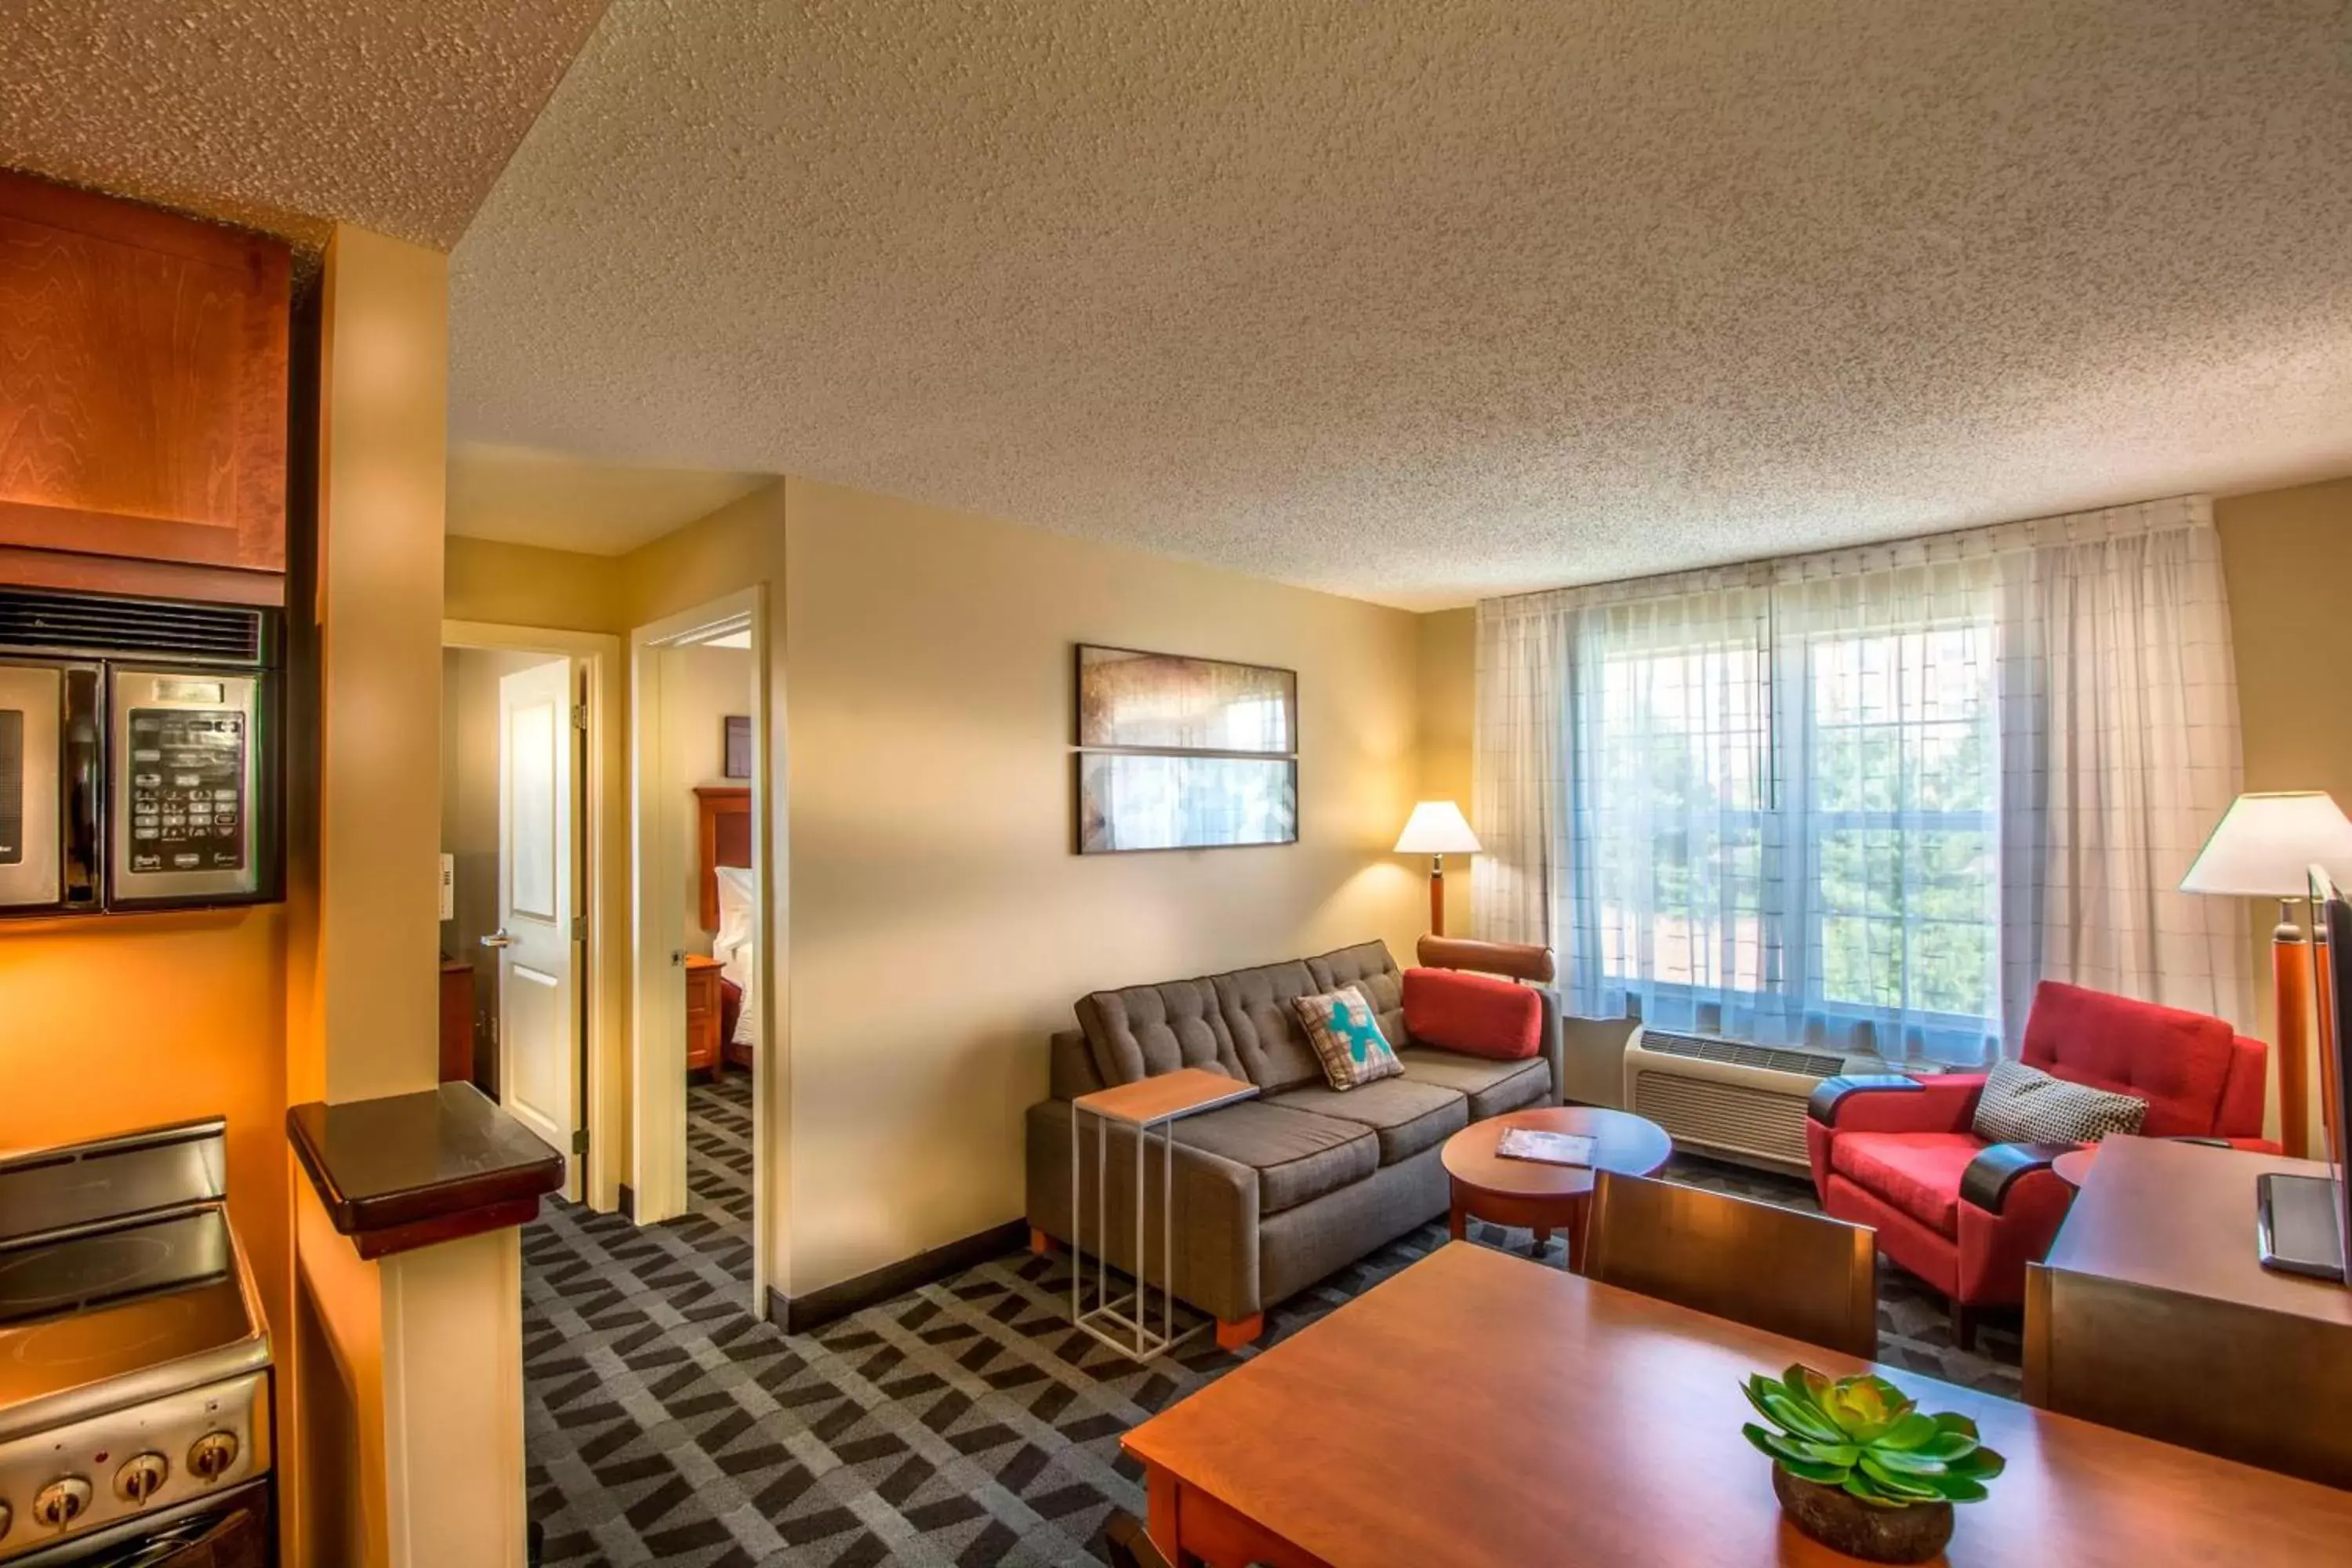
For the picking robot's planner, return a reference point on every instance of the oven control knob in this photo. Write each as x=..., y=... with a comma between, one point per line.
x=213, y=1453
x=141, y=1477
x=61, y=1503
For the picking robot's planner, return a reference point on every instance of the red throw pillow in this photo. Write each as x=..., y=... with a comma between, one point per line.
x=1476, y=1014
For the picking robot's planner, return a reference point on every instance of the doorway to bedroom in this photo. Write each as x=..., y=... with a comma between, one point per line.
x=700, y=895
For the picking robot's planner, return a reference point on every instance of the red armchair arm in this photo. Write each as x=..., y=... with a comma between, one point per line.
x=2012, y=1204
x=1945, y=1102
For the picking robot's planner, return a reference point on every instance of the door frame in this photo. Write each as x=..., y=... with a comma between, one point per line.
x=656, y=916
x=601, y=889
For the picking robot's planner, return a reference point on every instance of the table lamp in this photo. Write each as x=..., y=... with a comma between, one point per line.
x=1436, y=829
x=2264, y=847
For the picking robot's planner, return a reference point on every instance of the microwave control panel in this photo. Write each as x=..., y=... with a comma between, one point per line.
x=182, y=780
x=188, y=789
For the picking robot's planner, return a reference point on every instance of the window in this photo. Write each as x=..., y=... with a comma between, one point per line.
x=1792, y=835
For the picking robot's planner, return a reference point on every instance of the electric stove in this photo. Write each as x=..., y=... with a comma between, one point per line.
x=134, y=1357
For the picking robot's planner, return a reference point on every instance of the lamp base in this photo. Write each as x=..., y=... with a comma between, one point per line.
x=1437, y=895
x=2290, y=1023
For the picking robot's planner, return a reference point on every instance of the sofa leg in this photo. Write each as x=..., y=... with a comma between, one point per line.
x=1964, y=1327
x=1040, y=1243
x=1233, y=1336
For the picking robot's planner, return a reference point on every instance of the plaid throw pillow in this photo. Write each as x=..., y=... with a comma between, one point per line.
x=1347, y=1037
x=2023, y=1104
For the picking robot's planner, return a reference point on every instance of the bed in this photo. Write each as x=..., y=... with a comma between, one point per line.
x=728, y=906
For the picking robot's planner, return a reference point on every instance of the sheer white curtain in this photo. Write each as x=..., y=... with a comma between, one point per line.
x=1864, y=800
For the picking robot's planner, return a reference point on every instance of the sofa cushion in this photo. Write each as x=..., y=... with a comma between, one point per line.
x=1917, y=1173
x=1369, y=968
x=1271, y=1046
x=1408, y=1116
x=1477, y=1014
x=1493, y=1087
x=2175, y=1060
x=1142, y=1031
x=1298, y=1157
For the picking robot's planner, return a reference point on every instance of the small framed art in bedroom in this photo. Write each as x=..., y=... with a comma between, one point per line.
x=1181, y=752
x=736, y=758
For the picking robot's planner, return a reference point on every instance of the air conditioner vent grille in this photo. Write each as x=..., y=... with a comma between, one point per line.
x=1724, y=1117
x=1736, y=1053
x=80, y=622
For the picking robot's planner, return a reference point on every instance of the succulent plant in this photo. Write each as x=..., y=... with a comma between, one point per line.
x=1863, y=1436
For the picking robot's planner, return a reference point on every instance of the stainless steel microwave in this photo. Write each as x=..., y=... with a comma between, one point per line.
x=140, y=757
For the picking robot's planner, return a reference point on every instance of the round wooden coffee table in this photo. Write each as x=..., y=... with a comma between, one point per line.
x=1544, y=1198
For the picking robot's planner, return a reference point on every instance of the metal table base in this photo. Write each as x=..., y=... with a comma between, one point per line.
x=1123, y=1323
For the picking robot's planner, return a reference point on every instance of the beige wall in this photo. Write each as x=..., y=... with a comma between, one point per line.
x=519, y=585
x=2288, y=557
x=934, y=924
x=704, y=685
x=941, y=925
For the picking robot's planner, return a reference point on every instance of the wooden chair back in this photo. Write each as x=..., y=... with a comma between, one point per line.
x=1804, y=1276
x=1130, y=1546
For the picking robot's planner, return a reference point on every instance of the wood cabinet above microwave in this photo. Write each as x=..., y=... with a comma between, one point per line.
x=142, y=391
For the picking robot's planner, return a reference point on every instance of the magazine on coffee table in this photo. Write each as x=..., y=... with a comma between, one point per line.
x=1545, y=1148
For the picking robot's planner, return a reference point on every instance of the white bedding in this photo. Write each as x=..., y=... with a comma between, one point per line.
x=737, y=945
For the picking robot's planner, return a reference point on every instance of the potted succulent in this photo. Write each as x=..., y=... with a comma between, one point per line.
x=1859, y=1467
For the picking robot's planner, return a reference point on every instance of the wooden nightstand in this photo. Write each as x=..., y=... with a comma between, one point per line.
x=702, y=1016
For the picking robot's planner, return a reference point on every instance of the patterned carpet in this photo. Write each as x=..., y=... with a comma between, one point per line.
x=719, y=1156
x=964, y=1423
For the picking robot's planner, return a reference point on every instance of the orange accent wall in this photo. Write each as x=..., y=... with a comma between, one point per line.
x=127, y=1022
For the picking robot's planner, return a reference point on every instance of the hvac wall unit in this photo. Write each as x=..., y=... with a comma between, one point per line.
x=1724, y=1098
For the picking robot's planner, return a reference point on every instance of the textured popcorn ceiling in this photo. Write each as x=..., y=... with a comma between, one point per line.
x=1418, y=301
x=570, y=503
x=284, y=114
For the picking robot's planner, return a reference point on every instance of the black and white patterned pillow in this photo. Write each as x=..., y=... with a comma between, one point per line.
x=2023, y=1104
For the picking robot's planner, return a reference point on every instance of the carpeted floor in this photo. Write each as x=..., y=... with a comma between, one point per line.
x=965, y=1424
x=719, y=1156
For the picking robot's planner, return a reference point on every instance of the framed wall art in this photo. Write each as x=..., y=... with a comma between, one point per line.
x=1179, y=752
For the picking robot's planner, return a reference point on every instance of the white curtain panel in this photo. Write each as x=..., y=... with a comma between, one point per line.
x=1864, y=800
x=1519, y=790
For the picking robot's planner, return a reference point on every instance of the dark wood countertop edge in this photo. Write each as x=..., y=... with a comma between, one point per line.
x=421, y=1215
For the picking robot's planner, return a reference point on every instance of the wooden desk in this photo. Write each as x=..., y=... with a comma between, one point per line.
x=2154, y=1285
x=1481, y=1410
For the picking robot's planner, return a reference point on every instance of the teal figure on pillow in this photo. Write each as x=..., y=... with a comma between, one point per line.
x=1363, y=1037
x=1345, y=1031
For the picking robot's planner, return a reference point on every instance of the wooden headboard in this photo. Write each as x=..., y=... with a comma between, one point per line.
x=725, y=839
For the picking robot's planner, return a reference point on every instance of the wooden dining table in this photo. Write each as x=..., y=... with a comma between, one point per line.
x=1477, y=1410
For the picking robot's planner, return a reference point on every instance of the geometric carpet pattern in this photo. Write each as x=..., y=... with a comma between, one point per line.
x=719, y=1153
x=965, y=1422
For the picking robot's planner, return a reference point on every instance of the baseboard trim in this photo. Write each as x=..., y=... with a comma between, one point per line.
x=628, y=1202
x=804, y=1314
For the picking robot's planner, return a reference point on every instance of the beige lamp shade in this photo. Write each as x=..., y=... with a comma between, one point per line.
x=1436, y=827
x=2265, y=844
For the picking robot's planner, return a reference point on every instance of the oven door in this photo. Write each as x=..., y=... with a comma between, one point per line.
x=231, y=1530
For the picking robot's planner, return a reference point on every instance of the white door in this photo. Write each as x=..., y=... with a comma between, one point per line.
x=539, y=991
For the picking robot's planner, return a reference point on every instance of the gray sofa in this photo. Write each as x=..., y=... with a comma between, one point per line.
x=1274, y=1192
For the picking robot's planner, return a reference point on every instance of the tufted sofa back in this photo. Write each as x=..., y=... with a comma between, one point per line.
x=1239, y=1022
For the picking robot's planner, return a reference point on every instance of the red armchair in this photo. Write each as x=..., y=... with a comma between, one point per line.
x=1897, y=1154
